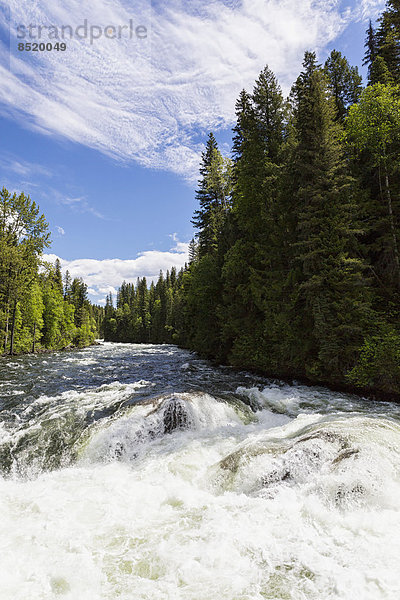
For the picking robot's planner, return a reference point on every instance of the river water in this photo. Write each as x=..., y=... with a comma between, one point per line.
x=141, y=472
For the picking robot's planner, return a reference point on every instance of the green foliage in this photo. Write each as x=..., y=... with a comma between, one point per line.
x=378, y=367
x=35, y=311
x=213, y=195
x=344, y=82
x=328, y=290
x=371, y=48
x=374, y=122
x=373, y=134
x=379, y=73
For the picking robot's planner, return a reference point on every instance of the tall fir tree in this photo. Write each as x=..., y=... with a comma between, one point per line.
x=388, y=41
x=330, y=302
x=371, y=48
x=213, y=195
x=344, y=82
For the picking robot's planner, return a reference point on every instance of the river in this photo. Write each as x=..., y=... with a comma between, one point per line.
x=142, y=472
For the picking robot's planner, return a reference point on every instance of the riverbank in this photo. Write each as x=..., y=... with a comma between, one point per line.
x=368, y=393
x=40, y=351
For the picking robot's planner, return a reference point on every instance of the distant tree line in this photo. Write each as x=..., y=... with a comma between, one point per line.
x=295, y=269
x=145, y=314
x=37, y=309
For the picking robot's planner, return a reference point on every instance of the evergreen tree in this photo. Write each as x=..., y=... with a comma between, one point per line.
x=329, y=299
x=295, y=270
x=388, y=41
x=213, y=196
x=379, y=73
x=58, y=275
x=371, y=48
x=249, y=265
x=344, y=83
x=67, y=286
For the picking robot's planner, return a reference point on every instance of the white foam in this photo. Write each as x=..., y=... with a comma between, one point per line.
x=157, y=529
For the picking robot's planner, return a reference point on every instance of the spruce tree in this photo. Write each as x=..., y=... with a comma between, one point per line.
x=58, y=275
x=213, y=195
x=379, y=72
x=371, y=48
x=344, y=83
x=329, y=299
x=250, y=264
x=388, y=40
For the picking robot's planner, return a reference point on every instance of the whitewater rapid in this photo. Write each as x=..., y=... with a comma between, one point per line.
x=140, y=472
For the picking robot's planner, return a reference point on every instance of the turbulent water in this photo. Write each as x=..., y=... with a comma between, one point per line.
x=140, y=472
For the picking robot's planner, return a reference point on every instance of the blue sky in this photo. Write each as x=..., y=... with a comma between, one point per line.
x=106, y=137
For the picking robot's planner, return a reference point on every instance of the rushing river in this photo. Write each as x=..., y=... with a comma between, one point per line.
x=141, y=472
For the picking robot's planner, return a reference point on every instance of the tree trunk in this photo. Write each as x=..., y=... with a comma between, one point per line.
x=6, y=331
x=34, y=335
x=13, y=328
x=391, y=220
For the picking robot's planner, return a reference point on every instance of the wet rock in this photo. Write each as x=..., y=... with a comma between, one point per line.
x=175, y=416
x=332, y=437
x=345, y=494
x=119, y=450
x=275, y=477
x=345, y=454
x=189, y=367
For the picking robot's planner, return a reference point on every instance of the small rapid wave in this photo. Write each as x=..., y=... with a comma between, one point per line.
x=136, y=432
x=45, y=434
x=340, y=461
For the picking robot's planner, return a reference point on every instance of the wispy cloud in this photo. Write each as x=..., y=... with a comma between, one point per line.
x=148, y=100
x=80, y=204
x=104, y=276
x=11, y=164
x=370, y=9
x=60, y=230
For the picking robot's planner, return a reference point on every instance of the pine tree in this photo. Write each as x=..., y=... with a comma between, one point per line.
x=67, y=286
x=58, y=275
x=344, y=83
x=329, y=299
x=192, y=251
x=371, y=48
x=268, y=108
x=249, y=265
x=213, y=196
x=388, y=41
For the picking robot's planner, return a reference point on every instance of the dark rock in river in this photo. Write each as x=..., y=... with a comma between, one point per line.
x=175, y=416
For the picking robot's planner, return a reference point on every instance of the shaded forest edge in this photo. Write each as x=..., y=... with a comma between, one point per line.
x=38, y=310
x=294, y=271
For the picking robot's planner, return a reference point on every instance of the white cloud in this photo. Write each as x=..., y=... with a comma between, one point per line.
x=105, y=276
x=147, y=100
x=60, y=230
